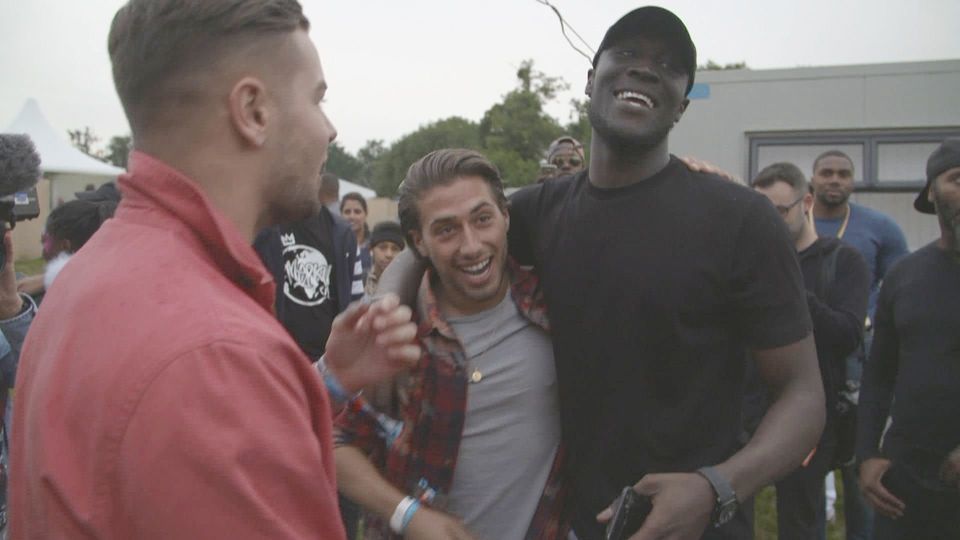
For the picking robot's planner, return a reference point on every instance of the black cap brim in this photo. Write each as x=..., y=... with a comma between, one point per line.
x=922, y=202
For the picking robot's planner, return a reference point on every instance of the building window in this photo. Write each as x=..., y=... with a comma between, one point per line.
x=882, y=160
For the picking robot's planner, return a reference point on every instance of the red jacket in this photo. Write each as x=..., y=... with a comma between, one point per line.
x=158, y=397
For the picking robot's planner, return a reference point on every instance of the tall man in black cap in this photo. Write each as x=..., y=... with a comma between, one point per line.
x=911, y=473
x=660, y=282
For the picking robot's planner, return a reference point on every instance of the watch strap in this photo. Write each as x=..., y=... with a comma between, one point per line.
x=726, y=496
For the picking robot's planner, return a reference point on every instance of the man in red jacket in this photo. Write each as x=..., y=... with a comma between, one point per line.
x=158, y=396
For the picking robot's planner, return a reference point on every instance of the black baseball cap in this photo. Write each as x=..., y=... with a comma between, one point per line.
x=656, y=22
x=944, y=158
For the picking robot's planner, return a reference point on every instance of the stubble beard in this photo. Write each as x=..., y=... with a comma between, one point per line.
x=949, y=217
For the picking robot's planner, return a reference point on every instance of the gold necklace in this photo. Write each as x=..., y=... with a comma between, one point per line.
x=843, y=226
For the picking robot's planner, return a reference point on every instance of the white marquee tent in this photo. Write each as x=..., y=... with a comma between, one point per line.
x=349, y=187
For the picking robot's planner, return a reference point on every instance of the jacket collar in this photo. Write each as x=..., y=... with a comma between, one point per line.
x=170, y=197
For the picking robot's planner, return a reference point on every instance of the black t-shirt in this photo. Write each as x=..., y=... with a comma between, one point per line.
x=655, y=293
x=915, y=366
x=301, y=258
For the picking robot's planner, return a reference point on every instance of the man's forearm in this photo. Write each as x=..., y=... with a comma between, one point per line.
x=402, y=277
x=793, y=423
x=362, y=483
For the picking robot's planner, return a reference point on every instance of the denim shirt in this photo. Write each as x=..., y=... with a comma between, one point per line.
x=12, y=333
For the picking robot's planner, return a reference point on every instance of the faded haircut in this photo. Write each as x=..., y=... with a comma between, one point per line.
x=155, y=45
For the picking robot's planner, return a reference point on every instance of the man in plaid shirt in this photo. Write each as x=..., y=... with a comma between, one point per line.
x=474, y=449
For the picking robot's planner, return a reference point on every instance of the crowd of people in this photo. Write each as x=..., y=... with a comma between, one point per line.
x=628, y=348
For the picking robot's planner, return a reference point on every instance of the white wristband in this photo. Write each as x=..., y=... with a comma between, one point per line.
x=396, y=520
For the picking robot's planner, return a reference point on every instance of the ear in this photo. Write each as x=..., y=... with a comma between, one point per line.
x=807, y=203
x=588, y=90
x=930, y=191
x=418, y=244
x=248, y=111
x=66, y=245
x=683, y=109
x=506, y=215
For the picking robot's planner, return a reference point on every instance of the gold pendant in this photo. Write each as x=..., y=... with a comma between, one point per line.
x=476, y=376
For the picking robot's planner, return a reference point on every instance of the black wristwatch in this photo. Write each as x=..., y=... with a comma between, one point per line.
x=727, y=503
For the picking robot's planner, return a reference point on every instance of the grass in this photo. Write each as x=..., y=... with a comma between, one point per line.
x=30, y=267
x=765, y=517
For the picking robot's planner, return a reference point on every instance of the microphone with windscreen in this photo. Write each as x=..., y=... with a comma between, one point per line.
x=19, y=173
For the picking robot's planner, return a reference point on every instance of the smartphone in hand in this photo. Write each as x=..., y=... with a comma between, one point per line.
x=629, y=511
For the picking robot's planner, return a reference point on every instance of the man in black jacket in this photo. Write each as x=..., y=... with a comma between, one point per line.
x=910, y=469
x=837, y=281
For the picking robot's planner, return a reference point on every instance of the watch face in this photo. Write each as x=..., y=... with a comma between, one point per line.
x=727, y=511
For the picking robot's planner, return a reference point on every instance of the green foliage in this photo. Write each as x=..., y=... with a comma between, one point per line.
x=713, y=66
x=118, y=151
x=514, y=133
x=342, y=163
x=390, y=168
x=579, y=126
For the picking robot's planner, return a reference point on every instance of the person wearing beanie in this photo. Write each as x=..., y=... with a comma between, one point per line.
x=386, y=242
x=910, y=471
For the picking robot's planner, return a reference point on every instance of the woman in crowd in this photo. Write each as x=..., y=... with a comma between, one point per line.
x=353, y=207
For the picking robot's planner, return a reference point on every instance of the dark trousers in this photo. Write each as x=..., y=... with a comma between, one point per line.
x=800, y=496
x=350, y=514
x=930, y=514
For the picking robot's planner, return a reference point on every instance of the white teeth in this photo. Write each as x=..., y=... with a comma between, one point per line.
x=631, y=95
x=477, y=268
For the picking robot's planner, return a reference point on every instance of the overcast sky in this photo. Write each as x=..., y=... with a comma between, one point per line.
x=393, y=66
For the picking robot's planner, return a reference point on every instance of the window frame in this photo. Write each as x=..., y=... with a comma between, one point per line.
x=869, y=140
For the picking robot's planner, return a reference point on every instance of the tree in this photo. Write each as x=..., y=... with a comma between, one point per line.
x=713, y=66
x=373, y=150
x=118, y=151
x=579, y=126
x=84, y=140
x=391, y=167
x=342, y=163
x=516, y=131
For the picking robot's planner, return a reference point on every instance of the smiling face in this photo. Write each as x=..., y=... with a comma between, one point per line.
x=354, y=213
x=463, y=233
x=637, y=92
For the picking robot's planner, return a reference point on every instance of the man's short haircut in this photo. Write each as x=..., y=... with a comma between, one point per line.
x=832, y=153
x=439, y=168
x=782, y=172
x=330, y=185
x=156, y=44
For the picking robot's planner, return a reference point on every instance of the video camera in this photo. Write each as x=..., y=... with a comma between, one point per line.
x=19, y=173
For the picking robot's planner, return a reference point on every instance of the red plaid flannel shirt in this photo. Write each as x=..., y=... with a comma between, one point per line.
x=433, y=402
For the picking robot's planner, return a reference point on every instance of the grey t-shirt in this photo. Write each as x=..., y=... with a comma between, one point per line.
x=512, y=425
